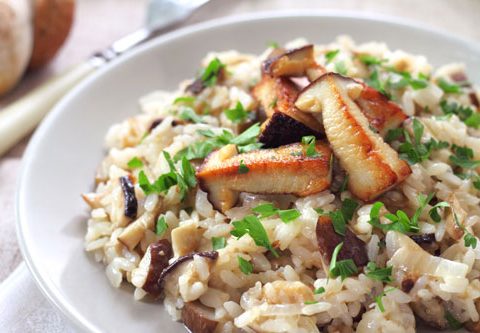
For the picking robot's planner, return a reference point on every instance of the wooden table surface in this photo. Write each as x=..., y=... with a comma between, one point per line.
x=98, y=22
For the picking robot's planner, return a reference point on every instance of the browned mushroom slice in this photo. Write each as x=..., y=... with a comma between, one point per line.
x=277, y=96
x=327, y=239
x=372, y=165
x=381, y=113
x=131, y=204
x=159, y=254
x=198, y=318
x=296, y=62
x=280, y=130
x=283, y=170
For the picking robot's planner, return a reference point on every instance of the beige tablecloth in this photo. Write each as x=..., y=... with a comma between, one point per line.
x=99, y=22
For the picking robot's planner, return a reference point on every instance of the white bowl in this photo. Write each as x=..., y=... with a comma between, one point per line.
x=61, y=159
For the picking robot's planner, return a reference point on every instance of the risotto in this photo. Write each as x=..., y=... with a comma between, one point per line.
x=312, y=188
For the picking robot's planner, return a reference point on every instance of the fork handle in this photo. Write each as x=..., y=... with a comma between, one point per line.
x=21, y=117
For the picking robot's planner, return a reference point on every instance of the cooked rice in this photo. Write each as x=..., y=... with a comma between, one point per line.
x=277, y=296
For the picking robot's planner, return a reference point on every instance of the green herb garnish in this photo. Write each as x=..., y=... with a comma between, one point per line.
x=268, y=209
x=135, y=163
x=378, y=273
x=161, y=226
x=342, y=268
x=211, y=72
x=369, y=60
x=242, y=168
x=453, y=323
x=341, y=68
x=289, y=215
x=252, y=226
x=189, y=114
x=309, y=142
x=463, y=157
x=330, y=55
x=319, y=291
x=185, y=179
x=414, y=151
x=449, y=88
x=218, y=243
x=400, y=221
x=468, y=239
x=237, y=114
x=245, y=142
x=245, y=266
x=273, y=45
x=184, y=100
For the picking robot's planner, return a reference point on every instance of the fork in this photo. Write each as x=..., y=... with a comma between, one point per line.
x=21, y=117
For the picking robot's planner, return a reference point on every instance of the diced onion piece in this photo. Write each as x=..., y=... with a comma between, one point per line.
x=406, y=255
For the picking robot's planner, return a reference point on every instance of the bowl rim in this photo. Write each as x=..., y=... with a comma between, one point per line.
x=54, y=294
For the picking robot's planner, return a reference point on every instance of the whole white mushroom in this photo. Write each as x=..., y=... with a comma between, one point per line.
x=16, y=41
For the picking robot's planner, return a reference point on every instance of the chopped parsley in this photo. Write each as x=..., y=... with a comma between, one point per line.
x=342, y=268
x=400, y=221
x=378, y=273
x=218, y=243
x=369, y=60
x=242, y=168
x=135, y=163
x=268, y=209
x=341, y=68
x=237, y=114
x=330, y=55
x=449, y=88
x=414, y=151
x=252, y=226
x=210, y=74
x=434, y=215
x=184, y=100
x=309, y=143
x=161, y=226
x=310, y=302
x=466, y=114
x=273, y=45
x=245, y=142
x=189, y=114
x=319, y=291
x=378, y=299
x=289, y=215
x=341, y=217
x=185, y=179
x=245, y=266
x=463, y=157
x=453, y=323
x=265, y=210
x=468, y=239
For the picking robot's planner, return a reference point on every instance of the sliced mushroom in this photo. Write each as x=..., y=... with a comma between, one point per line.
x=186, y=238
x=381, y=113
x=157, y=256
x=283, y=170
x=277, y=96
x=135, y=231
x=296, y=62
x=131, y=204
x=280, y=130
x=212, y=255
x=373, y=166
x=198, y=318
x=327, y=239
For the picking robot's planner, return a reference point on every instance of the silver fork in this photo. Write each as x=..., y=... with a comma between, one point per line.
x=22, y=116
